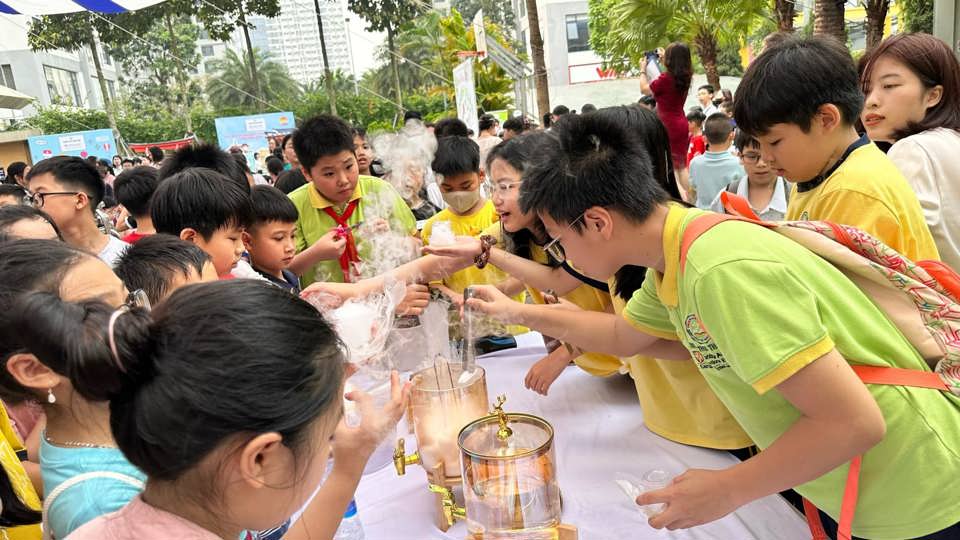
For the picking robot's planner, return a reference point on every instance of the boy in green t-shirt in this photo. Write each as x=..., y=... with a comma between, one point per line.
x=338, y=207
x=773, y=329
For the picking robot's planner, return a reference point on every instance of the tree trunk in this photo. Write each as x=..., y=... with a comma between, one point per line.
x=327, y=75
x=876, y=17
x=393, y=67
x=707, y=50
x=828, y=19
x=786, y=11
x=107, y=102
x=182, y=97
x=539, y=65
x=253, y=63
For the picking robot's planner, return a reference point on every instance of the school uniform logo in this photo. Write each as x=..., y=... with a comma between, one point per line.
x=702, y=348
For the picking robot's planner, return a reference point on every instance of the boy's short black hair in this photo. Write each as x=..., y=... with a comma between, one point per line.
x=590, y=160
x=717, y=128
x=154, y=261
x=13, y=190
x=156, y=154
x=274, y=165
x=456, y=155
x=588, y=108
x=412, y=115
x=15, y=213
x=709, y=88
x=450, y=127
x=743, y=140
x=73, y=173
x=270, y=204
x=360, y=131
x=515, y=124
x=127, y=160
x=321, y=136
x=241, y=161
x=696, y=116
x=200, y=199
x=561, y=110
x=290, y=180
x=788, y=83
x=133, y=189
x=647, y=100
x=204, y=155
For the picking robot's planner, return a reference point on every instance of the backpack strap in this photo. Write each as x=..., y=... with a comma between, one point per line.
x=736, y=205
x=701, y=224
x=79, y=479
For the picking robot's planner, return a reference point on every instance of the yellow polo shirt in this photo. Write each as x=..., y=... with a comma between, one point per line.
x=10, y=444
x=868, y=192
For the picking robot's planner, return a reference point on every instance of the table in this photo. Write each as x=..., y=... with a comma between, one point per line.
x=599, y=432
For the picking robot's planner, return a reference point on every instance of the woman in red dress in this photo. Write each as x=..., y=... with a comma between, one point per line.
x=670, y=90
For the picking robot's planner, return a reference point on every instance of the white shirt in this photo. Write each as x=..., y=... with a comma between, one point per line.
x=113, y=250
x=929, y=161
x=776, y=209
x=710, y=109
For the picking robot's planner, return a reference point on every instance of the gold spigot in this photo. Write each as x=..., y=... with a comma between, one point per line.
x=504, y=432
x=401, y=459
x=451, y=512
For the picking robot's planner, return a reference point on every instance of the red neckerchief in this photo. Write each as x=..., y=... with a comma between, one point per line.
x=350, y=254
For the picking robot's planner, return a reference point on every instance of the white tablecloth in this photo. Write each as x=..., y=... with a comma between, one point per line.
x=599, y=432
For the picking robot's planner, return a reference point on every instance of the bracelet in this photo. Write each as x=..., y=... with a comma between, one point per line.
x=486, y=243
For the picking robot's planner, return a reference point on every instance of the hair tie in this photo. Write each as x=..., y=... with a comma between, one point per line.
x=113, y=343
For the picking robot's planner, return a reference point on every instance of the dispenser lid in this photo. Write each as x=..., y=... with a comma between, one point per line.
x=505, y=435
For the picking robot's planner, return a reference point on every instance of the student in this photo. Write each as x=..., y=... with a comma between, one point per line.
x=705, y=96
x=457, y=166
x=270, y=237
x=698, y=143
x=17, y=174
x=162, y=263
x=712, y=171
x=69, y=190
x=77, y=437
x=513, y=127
x=207, y=156
x=361, y=147
x=134, y=189
x=772, y=327
x=766, y=192
x=11, y=194
x=204, y=207
x=912, y=84
x=274, y=168
x=21, y=221
x=127, y=164
x=202, y=433
x=289, y=154
x=800, y=100
x=336, y=201
x=448, y=127
x=290, y=180
x=487, y=139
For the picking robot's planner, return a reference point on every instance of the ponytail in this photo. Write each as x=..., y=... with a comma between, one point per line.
x=74, y=340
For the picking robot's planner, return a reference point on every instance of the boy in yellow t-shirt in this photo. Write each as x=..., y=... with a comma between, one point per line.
x=457, y=166
x=811, y=141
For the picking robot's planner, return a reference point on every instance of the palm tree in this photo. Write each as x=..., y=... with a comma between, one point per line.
x=233, y=84
x=539, y=65
x=785, y=11
x=828, y=19
x=636, y=26
x=876, y=17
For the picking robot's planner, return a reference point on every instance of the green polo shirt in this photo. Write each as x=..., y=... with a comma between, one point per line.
x=754, y=308
x=377, y=199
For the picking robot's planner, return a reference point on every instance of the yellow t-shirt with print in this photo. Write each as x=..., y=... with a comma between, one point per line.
x=754, y=308
x=10, y=444
x=473, y=224
x=868, y=192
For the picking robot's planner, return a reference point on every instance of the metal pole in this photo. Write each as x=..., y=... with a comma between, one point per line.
x=353, y=67
x=327, y=75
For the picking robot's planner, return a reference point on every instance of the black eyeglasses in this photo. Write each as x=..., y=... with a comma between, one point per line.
x=750, y=157
x=38, y=199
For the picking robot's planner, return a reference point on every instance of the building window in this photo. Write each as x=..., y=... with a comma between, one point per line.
x=6, y=76
x=112, y=89
x=203, y=34
x=63, y=85
x=578, y=36
x=206, y=50
x=211, y=66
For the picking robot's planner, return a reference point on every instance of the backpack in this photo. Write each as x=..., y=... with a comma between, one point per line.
x=921, y=298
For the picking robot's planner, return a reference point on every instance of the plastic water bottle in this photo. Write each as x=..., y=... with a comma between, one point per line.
x=350, y=527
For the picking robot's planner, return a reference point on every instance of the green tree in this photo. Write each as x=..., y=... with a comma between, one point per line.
x=233, y=85
x=917, y=15
x=388, y=16
x=622, y=30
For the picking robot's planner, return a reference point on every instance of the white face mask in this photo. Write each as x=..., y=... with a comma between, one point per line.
x=461, y=201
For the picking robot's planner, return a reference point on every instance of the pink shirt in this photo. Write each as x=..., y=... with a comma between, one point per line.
x=140, y=521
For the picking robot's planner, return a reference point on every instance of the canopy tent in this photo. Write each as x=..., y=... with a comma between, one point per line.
x=54, y=7
x=11, y=99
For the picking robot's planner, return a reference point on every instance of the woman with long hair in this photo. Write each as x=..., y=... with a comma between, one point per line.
x=670, y=90
x=912, y=88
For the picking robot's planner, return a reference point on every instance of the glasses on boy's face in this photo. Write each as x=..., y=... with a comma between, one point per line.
x=554, y=249
x=750, y=157
x=38, y=199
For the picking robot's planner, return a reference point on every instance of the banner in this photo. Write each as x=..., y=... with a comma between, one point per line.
x=249, y=134
x=173, y=146
x=466, y=94
x=98, y=142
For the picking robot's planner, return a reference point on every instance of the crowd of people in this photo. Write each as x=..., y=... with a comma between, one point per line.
x=164, y=376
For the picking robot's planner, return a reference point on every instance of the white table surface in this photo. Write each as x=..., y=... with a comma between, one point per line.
x=599, y=432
